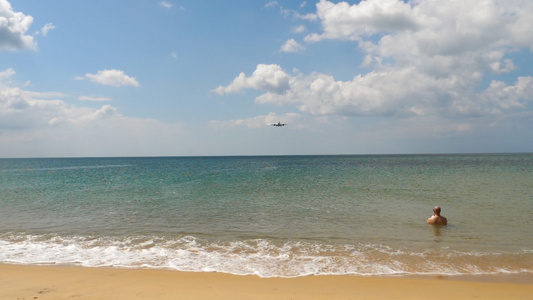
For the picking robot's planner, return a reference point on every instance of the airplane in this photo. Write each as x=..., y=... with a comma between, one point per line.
x=279, y=124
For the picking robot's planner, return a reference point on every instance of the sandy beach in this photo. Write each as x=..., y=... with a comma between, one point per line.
x=57, y=282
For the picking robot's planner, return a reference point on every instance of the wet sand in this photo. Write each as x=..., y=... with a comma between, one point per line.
x=62, y=282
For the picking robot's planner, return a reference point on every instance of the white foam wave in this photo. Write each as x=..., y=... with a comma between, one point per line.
x=258, y=257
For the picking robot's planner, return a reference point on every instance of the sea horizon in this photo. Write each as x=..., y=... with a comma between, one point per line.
x=275, y=155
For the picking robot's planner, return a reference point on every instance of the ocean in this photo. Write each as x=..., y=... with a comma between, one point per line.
x=272, y=216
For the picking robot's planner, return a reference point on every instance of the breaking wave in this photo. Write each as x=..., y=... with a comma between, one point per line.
x=261, y=257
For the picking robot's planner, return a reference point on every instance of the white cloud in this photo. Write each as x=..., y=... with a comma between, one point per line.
x=292, y=46
x=94, y=98
x=429, y=60
x=46, y=28
x=291, y=12
x=505, y=66
x=307, y=17
x=106, y=111
x=20, y=110
x=459, y=33
x=269, y=78
x=345, y=21
x=505, y=96
x=27, y=110
x=166, y=4
x=6, y=74
x=41, y=124
x=403, y=92
x=13, y=27
x=298, y=29
x=113, y=77
x=271, y=4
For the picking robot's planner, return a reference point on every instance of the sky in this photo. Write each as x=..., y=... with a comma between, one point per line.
x=207, y=78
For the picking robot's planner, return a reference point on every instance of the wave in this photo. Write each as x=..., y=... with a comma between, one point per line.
x=261, y=257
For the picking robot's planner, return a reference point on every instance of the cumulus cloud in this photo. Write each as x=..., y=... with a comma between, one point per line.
x=292, y=46
x=26, y=110
x=427, y=60
x=166, y=4
x=298, y=29
x=46, y=28
x=269, y=78
x=6, y=74
x=508, y=96
x=113, y=77
x=19, y=110
x=345, y=21
x=473, y=34
x=271, y=4
x=106, y=111
x=13, y=28
x=42, y=124
x=387, y=92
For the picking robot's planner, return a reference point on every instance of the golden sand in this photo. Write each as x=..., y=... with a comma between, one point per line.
x=47, y=282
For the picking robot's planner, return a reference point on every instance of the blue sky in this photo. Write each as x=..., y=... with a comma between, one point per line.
x=149, y=78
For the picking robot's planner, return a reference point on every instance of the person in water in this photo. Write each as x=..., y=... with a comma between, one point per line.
x=437, y=219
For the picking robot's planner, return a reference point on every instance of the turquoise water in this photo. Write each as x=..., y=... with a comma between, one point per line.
x=280, y=216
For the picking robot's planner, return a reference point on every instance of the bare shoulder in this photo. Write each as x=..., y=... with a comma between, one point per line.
x=437, y=220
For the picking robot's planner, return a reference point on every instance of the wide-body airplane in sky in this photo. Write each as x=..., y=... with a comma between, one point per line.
x=279, y=124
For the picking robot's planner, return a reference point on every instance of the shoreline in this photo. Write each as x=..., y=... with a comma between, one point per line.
x=65, y=282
